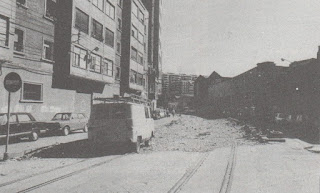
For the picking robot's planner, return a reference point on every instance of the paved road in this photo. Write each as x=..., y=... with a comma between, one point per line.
x=285, y=167
x=19, y=148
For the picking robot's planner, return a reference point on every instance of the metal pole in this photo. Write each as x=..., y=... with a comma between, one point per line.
x=5, y=156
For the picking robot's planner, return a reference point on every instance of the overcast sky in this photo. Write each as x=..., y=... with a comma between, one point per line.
x=230, y=37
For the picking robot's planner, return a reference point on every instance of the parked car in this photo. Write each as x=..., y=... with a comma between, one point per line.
x=21, y=125
x=68, y=122
x=121, y=123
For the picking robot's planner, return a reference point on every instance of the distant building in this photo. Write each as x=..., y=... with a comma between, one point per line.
x=178, y=84
x=201, y=87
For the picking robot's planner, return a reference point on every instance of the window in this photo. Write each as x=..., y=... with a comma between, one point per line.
x=120, y=3
x=95, y=64
x=50, y=8
x=140, y=58
x=109, y=9
x=82, y=21
x=4, y=31
x=133, y=76
x=139, y=79
x=134, y=53
x=107, y=67
x=135, y=9
x=47, y=50
x=134, y=32
x=32, y=92
x=109, y=37
x=141, y=38
x=119, y=24
x=118, y=47
x=147, y=112
x=79, y=58
x=141, y=16
x=97, y=30
x=22, y=2
x=98, y=3
x=118, y=72
x=18, y=42
x=24, y=118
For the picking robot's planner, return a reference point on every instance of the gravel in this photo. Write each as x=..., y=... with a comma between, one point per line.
x=194, y=134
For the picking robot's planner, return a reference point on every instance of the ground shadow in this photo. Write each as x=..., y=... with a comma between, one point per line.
x=79, y=149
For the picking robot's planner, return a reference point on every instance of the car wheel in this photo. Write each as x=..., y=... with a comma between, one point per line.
x=34, y=136
x=65, y=131
x=85, y=129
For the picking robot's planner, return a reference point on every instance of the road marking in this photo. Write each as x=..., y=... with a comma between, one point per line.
x=186, y=177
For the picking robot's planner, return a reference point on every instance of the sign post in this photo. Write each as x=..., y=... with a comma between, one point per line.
x=12, y=83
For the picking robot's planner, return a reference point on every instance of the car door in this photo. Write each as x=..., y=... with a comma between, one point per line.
x=25, y=125
x=13, y=125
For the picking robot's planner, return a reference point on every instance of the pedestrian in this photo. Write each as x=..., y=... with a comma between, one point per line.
x=173, y=112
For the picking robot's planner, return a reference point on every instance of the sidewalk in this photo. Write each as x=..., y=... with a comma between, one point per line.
x=314, y=148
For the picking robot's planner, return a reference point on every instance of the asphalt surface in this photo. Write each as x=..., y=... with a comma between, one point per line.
x=241, y=167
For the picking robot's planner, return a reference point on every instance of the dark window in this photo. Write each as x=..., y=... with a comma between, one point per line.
x=134, y=53
x=118, y=47
x=140, y=58
x=4, y=31
x=82, y=21
x=18, y=42
x=48, y=50
x=97, y=30
x=118, y=72
x=109, y=37
x=134, y=32
x=22, y=2
x=51, y=8
x=133, y=76
x=32, y=92
x=119, y=24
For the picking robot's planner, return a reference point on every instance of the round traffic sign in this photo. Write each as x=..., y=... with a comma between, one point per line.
x=12, y=82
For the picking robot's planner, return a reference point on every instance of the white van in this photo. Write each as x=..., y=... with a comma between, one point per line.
x=121, y=123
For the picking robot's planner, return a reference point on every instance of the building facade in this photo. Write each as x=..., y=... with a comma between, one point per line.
x=154, y=8
x=134, y=49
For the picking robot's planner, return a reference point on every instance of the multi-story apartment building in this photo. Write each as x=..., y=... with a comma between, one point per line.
x=154, y=49
x=29, y=46
x=85, y=46
x=178, y=84
x=134, y=48
x=66, y=52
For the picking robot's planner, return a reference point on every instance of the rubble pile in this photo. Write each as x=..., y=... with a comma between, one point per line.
x=194, y=134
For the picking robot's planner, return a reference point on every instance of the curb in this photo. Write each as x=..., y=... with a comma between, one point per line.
x=14, y=155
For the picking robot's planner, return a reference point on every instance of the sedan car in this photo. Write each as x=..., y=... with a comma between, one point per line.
x=69, y=122
x=21, y=125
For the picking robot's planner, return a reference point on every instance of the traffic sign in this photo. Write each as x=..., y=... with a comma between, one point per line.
x=12, y=82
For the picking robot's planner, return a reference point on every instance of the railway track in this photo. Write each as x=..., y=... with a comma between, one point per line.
x=185, y=178
x=228, y=177
x=35, y=187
